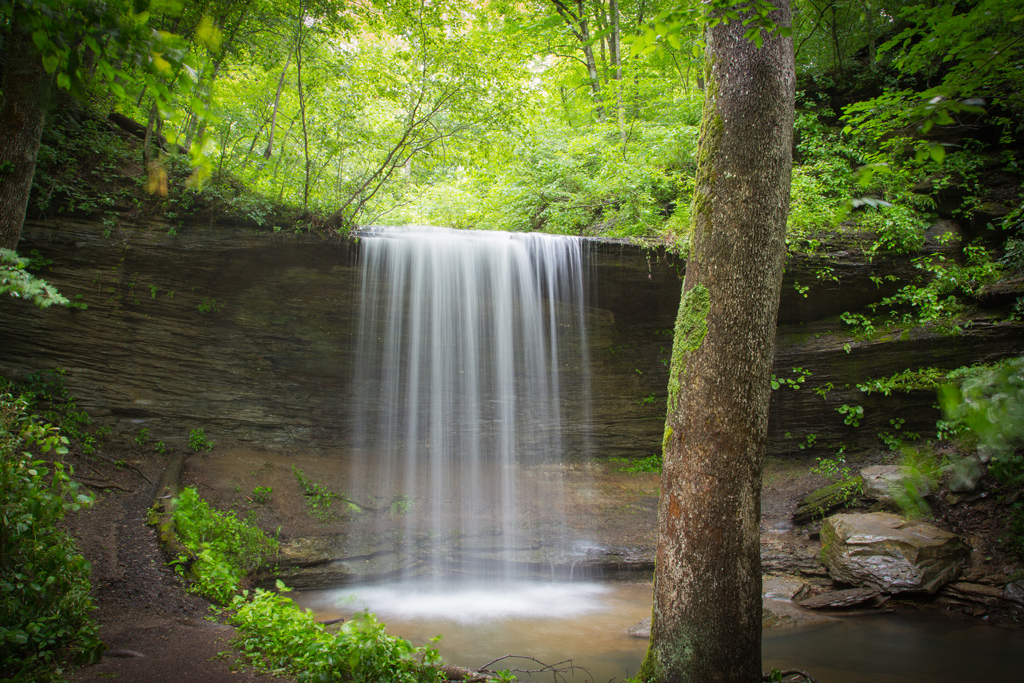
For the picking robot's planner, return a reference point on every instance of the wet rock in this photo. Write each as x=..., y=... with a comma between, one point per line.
x=887, y=483
x=892, y=555
x=839, y=599
x=641, y=630
x=1014, y=592
x=782, y=587
x=789, y=556
x=775, y=613
x=973, y=592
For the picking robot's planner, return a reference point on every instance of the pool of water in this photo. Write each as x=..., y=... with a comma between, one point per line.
x=587, y=623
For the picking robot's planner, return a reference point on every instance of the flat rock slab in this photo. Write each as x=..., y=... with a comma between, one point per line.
x=890, y=554
x=776, y=613
x=884, y=482
x=839, y=599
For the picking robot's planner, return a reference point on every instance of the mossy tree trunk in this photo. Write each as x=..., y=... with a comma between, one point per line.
x=24, y=91
x=706, y=623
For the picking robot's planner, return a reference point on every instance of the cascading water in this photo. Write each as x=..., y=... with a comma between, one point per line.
x=471, y=370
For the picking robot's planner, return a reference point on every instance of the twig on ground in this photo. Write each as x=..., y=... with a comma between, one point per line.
x=122, y=463
x=556, y=669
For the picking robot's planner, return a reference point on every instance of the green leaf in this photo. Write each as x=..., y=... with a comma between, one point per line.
x=937, y=151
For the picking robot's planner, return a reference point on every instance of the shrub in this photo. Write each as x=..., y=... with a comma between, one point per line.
x=223, y=549
x=44, y=581
x=276, y=636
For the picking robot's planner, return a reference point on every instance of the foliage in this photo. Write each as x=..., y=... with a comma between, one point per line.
x=197, y=440
x=852, y=415
x=836, y=470
x=990, y=402
x=793, y=383
x=921, y=472
x=401, y=505
x=16, y=280
x=223, y=549
x=318, y=499
x=44, y=581
x=276, y=636
x=940, y=298
x=649, y=464
x=54, y=403
x=261, y=494
x=906, y=381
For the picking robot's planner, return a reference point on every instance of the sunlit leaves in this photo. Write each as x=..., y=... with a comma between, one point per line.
x=667, y=25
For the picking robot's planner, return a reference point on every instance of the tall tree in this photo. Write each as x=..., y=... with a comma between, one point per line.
x=70, y=43
x=575, y=16
x=706, y=622
x=25, y=90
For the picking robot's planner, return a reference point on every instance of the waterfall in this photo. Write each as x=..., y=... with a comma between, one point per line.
x=471, y=369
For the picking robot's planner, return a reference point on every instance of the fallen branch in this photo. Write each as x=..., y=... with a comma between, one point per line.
x=783, y=675
x=102, y=484
x=163, y=507
x=138, y=130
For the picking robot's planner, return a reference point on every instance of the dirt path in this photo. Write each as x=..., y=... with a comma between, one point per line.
x=155, y=631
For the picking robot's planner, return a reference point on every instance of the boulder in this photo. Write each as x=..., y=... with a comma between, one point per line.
x=889, y=483
x=1014, y=592
x=890, y=554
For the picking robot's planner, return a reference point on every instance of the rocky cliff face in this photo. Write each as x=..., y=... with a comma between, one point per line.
x=250, y=336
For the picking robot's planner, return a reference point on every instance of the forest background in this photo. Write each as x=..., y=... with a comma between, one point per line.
x=566, y=117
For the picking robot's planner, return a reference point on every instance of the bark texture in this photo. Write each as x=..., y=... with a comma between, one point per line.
x=25, y=87
x=706, y=624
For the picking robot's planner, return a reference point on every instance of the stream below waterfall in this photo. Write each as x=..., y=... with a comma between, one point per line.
x=587, y=623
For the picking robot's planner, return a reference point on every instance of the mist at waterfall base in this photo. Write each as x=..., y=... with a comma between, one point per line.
x=469, y=395
x=587, y=624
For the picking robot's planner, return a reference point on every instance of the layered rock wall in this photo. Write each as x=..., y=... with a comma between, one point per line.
x=250, y=336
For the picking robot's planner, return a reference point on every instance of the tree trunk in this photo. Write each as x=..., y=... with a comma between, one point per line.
x=616, y=50
x=302, y=113
x=869, y=19
x=26, y=87
x=706, y=622
x=595, y=78
x=277, y=101
x=576, y=20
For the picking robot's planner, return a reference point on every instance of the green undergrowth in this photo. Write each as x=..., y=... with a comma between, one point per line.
x=222, y=549
x=45, y=604
x=87, y=166
x=276, y=636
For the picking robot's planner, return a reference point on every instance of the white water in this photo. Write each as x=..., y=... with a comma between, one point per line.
x=471, y=359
